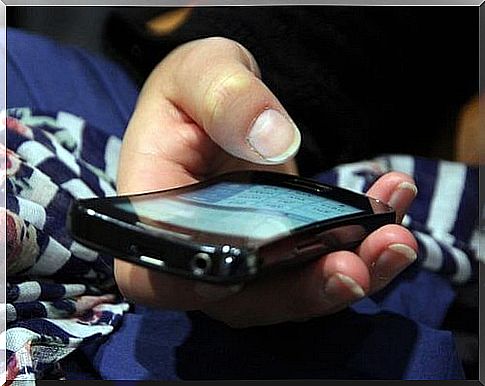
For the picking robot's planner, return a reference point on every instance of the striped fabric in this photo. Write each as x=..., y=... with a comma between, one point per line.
x=61, y=295
x=445, y=215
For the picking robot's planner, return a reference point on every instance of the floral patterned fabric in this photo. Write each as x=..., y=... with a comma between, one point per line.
x=60, y=294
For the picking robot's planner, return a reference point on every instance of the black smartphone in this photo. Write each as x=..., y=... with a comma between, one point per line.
x=230, y=228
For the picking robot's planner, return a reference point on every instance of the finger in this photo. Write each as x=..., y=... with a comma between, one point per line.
x=387, y=252
x=326, y=286
x=167, y=144
x=161, y=148
x=85, y=303
x=216, y=83
x=396, y=189
x=321, y=287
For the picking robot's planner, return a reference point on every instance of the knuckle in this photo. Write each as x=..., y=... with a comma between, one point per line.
x=223, y=90
x=221, y=44
x=211, y=46
x=220, y=40
x=236, y=49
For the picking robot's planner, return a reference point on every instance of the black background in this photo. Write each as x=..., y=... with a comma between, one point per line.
x=358, y=81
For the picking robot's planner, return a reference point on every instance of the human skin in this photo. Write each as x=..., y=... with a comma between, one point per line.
x=197, y=116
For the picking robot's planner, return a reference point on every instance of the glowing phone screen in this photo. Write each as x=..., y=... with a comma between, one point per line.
x=239, y=209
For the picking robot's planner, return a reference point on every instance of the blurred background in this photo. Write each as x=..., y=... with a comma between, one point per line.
x=351, y=77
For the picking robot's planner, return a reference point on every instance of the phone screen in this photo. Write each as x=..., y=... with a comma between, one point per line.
x=243, y=210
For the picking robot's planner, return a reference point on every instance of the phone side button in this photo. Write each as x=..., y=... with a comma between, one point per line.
x=152, y=261
x=310, y=248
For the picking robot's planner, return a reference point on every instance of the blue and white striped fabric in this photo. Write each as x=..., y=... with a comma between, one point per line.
x=61, y=295
x=444, y=217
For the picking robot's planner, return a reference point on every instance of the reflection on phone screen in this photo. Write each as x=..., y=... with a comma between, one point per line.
x=237, y=209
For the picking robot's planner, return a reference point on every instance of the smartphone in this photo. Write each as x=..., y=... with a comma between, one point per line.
x=231, y=228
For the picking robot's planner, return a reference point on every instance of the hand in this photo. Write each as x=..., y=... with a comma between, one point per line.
x=204, y=111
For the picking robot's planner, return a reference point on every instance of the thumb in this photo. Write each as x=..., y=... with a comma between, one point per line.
x=216, y=82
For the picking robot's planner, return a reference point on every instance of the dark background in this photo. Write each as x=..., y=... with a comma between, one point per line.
x=358, y=81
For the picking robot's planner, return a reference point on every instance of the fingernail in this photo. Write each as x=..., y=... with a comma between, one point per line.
x=274, y=137
x=394, y=260
x=216, y=292
x=404, y=192
x=335, y=283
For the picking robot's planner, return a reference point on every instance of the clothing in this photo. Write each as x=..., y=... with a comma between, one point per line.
x=395, y=334
x=351, y=77
x=38, y=197
x=57, y=290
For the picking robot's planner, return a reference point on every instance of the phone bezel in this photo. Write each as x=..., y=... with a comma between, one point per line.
x=93, y=222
